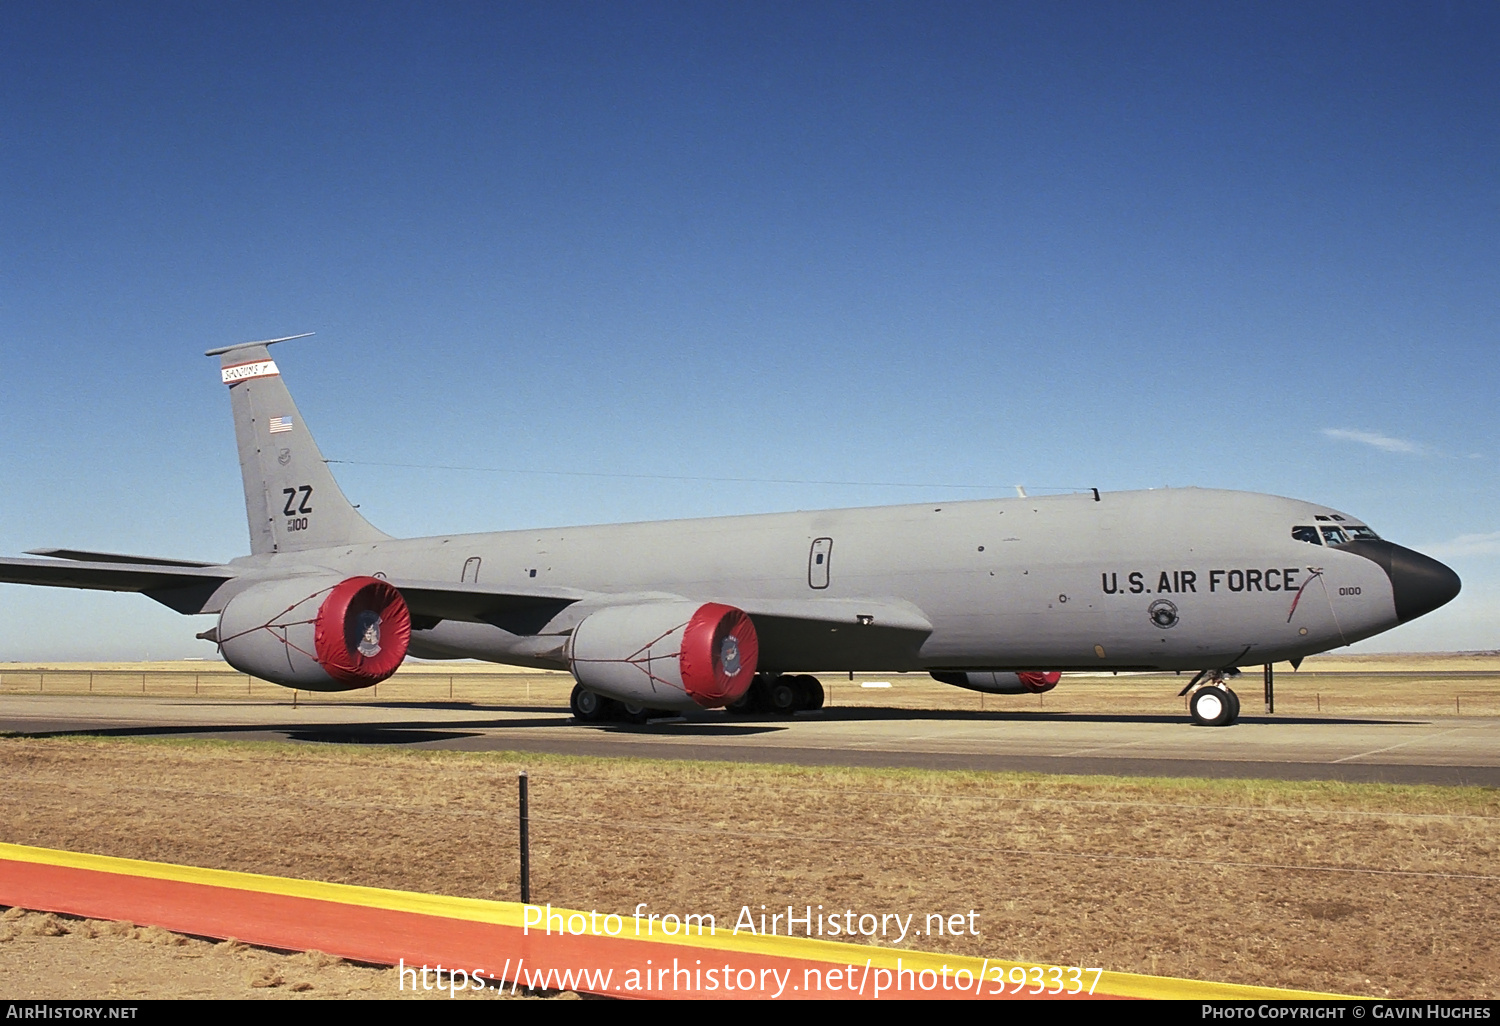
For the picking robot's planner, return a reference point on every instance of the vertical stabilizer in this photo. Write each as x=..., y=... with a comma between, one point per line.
x=291, y=498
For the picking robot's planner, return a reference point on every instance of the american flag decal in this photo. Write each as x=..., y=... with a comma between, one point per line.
x=280, y=425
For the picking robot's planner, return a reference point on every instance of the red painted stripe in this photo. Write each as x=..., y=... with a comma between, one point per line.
x=390, y=937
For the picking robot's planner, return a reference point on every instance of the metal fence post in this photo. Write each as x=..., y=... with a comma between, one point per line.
x=525, y=843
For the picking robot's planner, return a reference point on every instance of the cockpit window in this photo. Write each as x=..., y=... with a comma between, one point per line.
x=1307, y=534
x=1335, y=535
x=1359, y=533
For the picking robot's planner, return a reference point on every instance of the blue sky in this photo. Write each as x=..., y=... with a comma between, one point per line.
x=953, y=247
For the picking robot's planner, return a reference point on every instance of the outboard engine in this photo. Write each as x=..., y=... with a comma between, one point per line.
x=319, y=633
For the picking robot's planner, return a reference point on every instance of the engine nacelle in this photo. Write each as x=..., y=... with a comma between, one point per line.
x=317, y=633
x=666, y=655
x=1027, y=682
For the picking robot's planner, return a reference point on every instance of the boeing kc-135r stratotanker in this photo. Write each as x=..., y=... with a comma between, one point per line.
x=998, y=595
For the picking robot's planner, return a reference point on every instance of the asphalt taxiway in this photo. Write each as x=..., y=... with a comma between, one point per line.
x=1461, y=750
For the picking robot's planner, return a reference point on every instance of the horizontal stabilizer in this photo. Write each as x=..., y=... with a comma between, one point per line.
x=263, y=342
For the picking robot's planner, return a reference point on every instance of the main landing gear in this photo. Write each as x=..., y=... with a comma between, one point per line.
x=590, y=707
x=782, y=694
x=1212, y=703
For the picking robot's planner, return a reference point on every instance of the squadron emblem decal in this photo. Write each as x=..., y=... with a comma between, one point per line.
x=1163, y=613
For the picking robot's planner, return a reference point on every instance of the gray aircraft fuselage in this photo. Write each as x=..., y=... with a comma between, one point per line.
x=1169, y=579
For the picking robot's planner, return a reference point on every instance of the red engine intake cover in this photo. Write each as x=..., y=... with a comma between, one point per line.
x=362, y=631
x=719, y=653
x=1037, y=681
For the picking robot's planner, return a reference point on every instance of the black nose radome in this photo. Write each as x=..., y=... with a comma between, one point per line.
x=1420, y=583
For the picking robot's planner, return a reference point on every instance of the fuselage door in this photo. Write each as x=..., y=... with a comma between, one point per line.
x=471, y=571
x=817, y=562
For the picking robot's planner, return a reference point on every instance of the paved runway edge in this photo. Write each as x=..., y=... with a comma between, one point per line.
x=491, y=939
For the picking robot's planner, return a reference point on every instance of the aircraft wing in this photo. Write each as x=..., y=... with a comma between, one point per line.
x=805, y=634
x=187, y=586
x=177, y=585
x=85, y=556
x=836, y=633
x=523, y=611
x=809, y=634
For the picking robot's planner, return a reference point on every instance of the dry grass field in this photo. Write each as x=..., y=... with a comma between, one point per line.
x=1358, y=889
x=1363, y=889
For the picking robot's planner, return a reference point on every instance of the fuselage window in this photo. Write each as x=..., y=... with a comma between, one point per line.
x=1335, y=535
x=1361, y=533
x=1307, y=534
